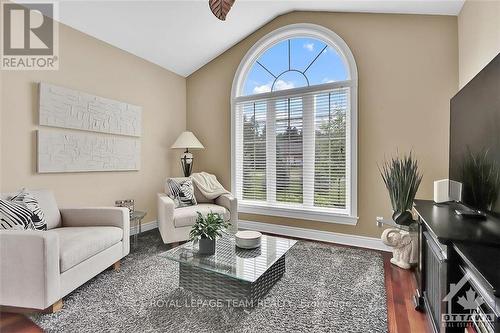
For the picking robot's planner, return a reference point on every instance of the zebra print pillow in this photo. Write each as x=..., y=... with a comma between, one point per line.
x=15, y=216
x=38, y=217
x=181, y=191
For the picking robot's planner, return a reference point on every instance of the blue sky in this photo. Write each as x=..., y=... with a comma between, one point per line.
x=328, y=67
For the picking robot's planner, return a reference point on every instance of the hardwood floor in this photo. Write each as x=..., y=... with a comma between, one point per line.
x=17, y=323
x=400, y=285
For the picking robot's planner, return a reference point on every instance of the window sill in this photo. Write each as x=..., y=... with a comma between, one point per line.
x=298, y=213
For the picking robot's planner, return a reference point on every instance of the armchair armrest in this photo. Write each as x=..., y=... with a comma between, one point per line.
x=29, y=268
x=166, y=208
x=96, y=217
x=99, y=217
x=230, y=202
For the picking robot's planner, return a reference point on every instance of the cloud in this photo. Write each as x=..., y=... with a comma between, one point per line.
x=309, y=46
x=326, y=80
x=263, y=88
x=279, y=85
x=283, y=85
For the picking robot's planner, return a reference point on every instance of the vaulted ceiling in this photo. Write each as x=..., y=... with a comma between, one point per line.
x=182, y=36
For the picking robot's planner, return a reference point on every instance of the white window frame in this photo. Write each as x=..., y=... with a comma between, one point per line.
x=332, y=39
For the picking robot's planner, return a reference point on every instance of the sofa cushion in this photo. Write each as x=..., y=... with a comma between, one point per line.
x=15, y=216
x=200, y=198
x=38, y=217
x=77, y=244
x=48, y=204
x=181, y=190
x=186, y=216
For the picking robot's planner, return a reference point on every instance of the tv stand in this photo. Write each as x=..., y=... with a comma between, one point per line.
x=451, y=247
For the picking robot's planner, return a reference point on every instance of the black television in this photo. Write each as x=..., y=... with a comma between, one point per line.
x=475, y=138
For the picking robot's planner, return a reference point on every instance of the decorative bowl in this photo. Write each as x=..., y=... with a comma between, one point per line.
x=248, y=239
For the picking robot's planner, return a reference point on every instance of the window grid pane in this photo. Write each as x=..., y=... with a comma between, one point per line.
x=293, y=63
x=254, y=151
x=330, y=149
x=289, y=150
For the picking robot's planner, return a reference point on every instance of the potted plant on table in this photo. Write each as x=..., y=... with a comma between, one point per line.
x=402, y=179
x=206, y=229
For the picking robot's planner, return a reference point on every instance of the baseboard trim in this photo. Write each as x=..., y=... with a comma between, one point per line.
x=324, y=236
x=145, y=227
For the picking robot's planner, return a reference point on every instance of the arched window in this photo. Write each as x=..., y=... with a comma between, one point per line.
x=294, y=119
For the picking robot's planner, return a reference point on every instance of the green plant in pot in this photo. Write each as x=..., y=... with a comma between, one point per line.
x=206, y=229
x=402, y=179
x=481, y=180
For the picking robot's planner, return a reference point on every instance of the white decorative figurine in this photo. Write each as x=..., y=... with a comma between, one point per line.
x=404, y=244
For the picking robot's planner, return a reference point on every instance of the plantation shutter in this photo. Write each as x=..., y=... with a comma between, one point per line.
x=291, y=150
x=330, y=163
x=251, y=152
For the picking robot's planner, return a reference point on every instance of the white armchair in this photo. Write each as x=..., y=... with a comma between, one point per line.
x=175, y=223
x=39, y=268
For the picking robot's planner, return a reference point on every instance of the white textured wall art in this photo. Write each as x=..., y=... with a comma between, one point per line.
x=67, y=108
x=75, y=151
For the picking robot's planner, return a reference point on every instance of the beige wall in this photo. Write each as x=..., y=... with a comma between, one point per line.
x=407, y=65
x=478, y=37
x=408, y=70
x=93, y=66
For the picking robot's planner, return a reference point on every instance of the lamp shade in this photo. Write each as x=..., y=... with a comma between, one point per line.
x=187, y=140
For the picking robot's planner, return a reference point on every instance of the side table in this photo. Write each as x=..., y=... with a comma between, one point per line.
x=136, y=218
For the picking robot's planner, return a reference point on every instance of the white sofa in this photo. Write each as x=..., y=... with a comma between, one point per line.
x=39, y=268
x=175, y=223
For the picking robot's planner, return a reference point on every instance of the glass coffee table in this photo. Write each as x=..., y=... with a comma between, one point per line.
x=232, y=274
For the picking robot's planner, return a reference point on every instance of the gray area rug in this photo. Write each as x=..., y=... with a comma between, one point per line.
x=325, y=289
